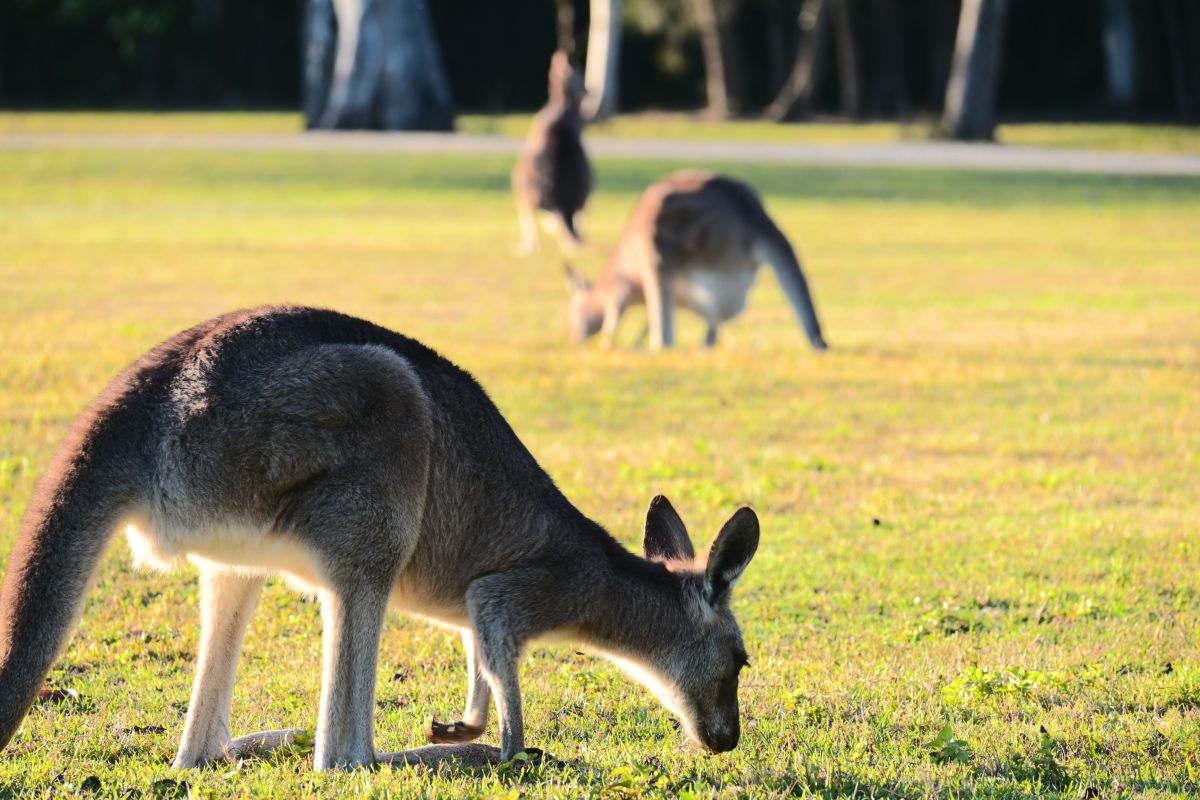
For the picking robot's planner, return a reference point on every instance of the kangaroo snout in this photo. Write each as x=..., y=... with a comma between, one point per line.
x=717, y=739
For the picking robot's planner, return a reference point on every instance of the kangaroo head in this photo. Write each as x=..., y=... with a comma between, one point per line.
x=696, y=676
x=565, y=84
x=584, y=315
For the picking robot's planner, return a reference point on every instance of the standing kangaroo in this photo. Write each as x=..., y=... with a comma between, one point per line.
x=552, y=172
x=366, y=468
x=695, y=240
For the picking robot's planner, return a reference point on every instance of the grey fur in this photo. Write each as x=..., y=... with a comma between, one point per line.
x=365, y=466
x=695, y=240
x=553, y=173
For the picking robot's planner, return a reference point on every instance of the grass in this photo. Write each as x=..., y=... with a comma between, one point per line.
x=980, y=558
x=1180, y=139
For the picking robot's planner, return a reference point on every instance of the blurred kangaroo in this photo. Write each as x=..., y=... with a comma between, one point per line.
x=552, y=172
x=367, y=469
x=695, y=240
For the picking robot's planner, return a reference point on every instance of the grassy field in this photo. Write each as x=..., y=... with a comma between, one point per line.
x=980, y=566
x=675, y=126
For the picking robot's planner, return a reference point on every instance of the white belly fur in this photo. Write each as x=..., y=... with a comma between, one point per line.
x=257, y=552
x=231, y=546
x=715, y=294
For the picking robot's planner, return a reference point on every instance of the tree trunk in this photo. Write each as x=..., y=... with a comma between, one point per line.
x=1120, y=55
x=970, y=111
x=1185, y=68
x=387, y=72
x=773, y=34
x=888, y=43
x=603, y=57
x=720, y=61
x=847, y=56
x=1, y=40
x=794, y=100
x=943, y=22
x=320, y=37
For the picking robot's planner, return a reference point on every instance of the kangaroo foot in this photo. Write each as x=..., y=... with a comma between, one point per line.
x=451, y=733
x=257, y=745
x=461, y=755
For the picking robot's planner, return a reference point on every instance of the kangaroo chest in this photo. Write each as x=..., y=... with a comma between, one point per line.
x=714, y=293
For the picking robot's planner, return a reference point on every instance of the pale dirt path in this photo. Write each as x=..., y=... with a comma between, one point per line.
x=945, y=155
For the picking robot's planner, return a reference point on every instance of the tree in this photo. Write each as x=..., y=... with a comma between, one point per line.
x=887, y=46
x=385, y=71
x=794, y=100
x=320, y=37
x=970, y=111
x=849, y=85
x=603, y=56
x=721, y=74
x=1183, y=25
x=1120, y=54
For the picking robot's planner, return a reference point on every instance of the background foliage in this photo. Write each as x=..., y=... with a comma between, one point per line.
x=246, y=54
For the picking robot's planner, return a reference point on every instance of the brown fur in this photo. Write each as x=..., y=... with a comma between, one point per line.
x=695, y=240
x=552, y=172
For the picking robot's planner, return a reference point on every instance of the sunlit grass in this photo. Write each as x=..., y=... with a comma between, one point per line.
x=151, y=122
x=979, y=508
x=653, y=125
x=1111, y=136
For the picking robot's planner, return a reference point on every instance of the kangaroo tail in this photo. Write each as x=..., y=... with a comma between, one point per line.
x=78, y=504
x=569, y=228
x=773, y=247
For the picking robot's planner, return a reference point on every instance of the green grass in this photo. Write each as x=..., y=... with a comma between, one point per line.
x=673, y=126
x=979, y=508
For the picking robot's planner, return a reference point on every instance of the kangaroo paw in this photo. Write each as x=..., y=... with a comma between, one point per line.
x=451, y=733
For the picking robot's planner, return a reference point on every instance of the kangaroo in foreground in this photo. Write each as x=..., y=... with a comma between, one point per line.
x=367, y=469
x=552, y=172
x=695, y=240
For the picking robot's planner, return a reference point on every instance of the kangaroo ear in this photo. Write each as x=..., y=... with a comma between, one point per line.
x=731, y=551
x=575, y=281
x=666, y=536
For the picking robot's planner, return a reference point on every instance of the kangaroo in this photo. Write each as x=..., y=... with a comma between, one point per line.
x=552, y=172
x=695, y=240
x=370, y=471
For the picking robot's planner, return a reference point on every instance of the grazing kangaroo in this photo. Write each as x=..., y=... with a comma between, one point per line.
x=695, y=240
x=370, y=471
x=552, y=172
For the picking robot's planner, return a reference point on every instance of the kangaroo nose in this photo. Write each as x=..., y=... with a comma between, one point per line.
x=723, y=744
x=718, y=741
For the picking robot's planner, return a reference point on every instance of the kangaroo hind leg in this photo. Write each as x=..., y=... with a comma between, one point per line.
x=660, y=310
x=227, y=600
x=353, y=616
x=527, y=244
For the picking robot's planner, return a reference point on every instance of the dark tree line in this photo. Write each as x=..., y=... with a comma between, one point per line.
x=789, y=59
